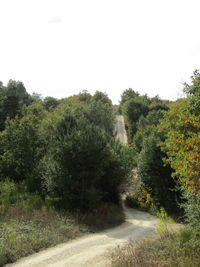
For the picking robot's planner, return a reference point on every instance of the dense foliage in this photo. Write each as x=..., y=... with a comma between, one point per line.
x=181, y=126
x=142, y=115
x=62, y=149
x=64, y=153
x=166, y=139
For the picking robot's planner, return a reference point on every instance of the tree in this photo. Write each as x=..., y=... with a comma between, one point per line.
x=23, y=144
x=182, y=144
x=50, y=103
x=145, y=126
x=155, y=176
x=127, y=95
x=13, y=98
x=101, y=97
x=193, y=92
x=181, y=126
x=19, y=152
x=81, y=168
x=84, y=96
x=2, y=99
x=132, y=110
x=101, y=114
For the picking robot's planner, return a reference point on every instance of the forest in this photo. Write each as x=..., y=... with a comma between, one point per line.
x=62, y=171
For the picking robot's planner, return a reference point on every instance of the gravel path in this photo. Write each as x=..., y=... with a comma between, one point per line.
x=120, y=129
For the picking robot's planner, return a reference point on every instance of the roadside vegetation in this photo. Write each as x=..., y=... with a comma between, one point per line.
x=175, y=249
x=173, y=245
x=165, y=138
x=29, y=224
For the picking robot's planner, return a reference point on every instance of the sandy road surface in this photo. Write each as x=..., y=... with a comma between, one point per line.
x=91, y=250
x=120, y=129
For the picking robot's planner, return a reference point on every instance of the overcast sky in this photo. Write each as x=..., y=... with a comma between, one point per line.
x=60, y=47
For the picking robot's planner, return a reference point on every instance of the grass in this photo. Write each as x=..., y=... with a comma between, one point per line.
x=175, y=249
x=24, y=231
x=29, y=224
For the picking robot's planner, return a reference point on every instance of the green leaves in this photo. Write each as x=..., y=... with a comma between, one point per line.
x=82, y=167
x=182, y=143
x=181, y=126
x=63, y=148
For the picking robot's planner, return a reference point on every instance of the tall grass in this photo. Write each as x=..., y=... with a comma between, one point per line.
x=172, y=246
x=28, y=223
x=23, y=232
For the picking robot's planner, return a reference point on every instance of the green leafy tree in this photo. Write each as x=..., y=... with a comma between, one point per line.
x=145, y=126
x=132, y=110
x=84, y=96
x=50, y=103
x=2, y=99
x=22, y=146
x=182, y=144
x=155, y=176
x=18, y=156
x=102, y=97
x=127, y=95
x=13, y=98
x=101, y=114
x=181, y=125
x=193, y=92
x=82, y=167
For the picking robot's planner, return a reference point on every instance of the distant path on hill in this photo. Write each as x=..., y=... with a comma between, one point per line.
x=120, y=129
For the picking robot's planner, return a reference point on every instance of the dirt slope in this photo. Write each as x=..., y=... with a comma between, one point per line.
x=91, y=250
x=120, y=129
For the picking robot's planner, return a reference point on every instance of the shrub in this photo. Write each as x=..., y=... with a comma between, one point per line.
x=165, y=221
x=174, y=250
x=83, y=167
x=155, y=175
x=25, y=231
x=8, y=192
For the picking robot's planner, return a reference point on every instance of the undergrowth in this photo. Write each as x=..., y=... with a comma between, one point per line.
x=28, y=223
x=172, y=246
x=23, y=232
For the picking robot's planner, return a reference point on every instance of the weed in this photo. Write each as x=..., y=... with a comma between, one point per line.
x=24, y=230
x=165, y=222
x=179, y=249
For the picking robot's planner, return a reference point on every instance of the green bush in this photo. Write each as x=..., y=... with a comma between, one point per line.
x=83, y=167
x=192, y=210
x=8, y=194
x=155, y=175
x=165, y=221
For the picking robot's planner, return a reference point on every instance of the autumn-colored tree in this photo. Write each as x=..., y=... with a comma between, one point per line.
x=182, y=146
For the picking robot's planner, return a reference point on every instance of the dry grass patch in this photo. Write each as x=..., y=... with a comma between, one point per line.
x=24, y=231
x=180, y=249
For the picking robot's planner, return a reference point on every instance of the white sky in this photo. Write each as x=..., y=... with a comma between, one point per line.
x=60, y=47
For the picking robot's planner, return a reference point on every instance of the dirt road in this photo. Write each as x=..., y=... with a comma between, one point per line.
x=91, y=250
x=120, y=129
